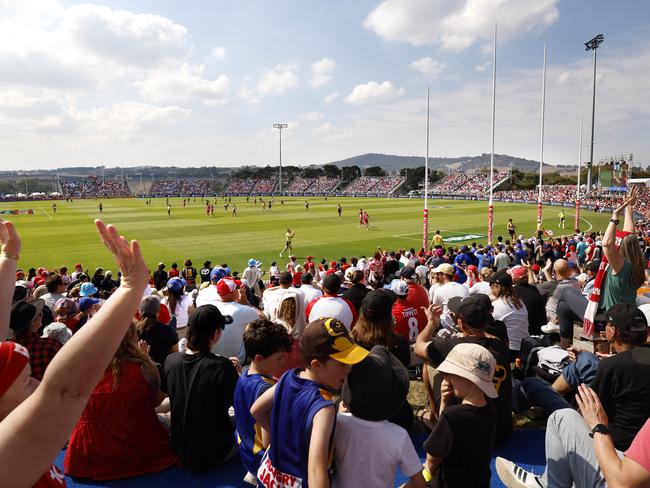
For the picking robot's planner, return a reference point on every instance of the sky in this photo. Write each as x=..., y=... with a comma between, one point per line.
x=198, y=83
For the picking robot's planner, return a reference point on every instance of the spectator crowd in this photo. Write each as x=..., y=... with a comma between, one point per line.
x=94, y=186
x=138, y=372
x=180, y=187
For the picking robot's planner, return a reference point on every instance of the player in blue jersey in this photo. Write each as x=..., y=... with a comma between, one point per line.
x=299, y=412
x=265, y=343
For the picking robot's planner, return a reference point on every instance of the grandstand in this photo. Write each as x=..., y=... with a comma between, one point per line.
x=179, y=187
x=463, y=184
x=94, y=186
x=374, y=186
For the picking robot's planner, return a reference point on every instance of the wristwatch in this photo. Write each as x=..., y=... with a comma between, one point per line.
x=599, y=429
x=614, y=221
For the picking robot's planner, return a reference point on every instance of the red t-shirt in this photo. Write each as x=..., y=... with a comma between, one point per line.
x=173, y=273
x=410, y=319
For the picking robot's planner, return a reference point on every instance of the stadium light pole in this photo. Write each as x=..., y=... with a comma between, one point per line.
x=280, y=127
x=576, y=225
x=541, y=149
x=592, y=45
x=425, y=229
x=494, y=90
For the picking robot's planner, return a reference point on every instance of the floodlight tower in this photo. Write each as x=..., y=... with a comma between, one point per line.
x=592, y=45
x=280, y=127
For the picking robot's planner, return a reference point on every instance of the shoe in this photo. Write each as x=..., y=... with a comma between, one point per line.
x=280, y=254
x=551, y=328
x=514, y=476
x=250, y=479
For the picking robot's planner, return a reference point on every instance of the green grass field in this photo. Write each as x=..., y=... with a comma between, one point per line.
x=67, y=237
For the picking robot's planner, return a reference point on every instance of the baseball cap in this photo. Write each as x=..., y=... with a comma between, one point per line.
x=624, y=316
x=471, y=309
x=445, y=268
x=206, y=314
x=66, y=307
x=407, y=273
x=376, y=387
x=20, y=293
x=329, y=337
x=13, y=359
x=22, y=314
x=399, y=287
x=87, y=289
x=518, y=272
x=474, y=363
x=216, y=274
x=86, y=302
x=226, y=286
x=176, y=284
x=378, y=304
x=501, y=278
x=332, y=283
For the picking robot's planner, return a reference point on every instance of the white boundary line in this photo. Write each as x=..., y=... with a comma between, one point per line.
x=582, y=218
x=45, y=212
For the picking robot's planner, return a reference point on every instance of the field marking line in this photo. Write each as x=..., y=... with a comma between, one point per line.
x=45, y=212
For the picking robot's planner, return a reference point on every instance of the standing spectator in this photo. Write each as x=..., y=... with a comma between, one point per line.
x=174, y=273
x=205, y=272
x=252, y=275
x=201, y=386
x=160, y=277
x=179, y=304
x=189, y=275
x=501, y=260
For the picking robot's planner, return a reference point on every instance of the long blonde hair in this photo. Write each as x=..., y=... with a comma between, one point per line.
x=631, y=251
x=130, y=352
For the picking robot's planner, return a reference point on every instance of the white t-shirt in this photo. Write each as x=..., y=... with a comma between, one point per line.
x=516, y=321
x=252, y=276
x=208, y=296
x=232, y=338
x=480, y=287
x=367, y=453
x=181, y=314
x=336, y=307
x=271, y=299
x=309, y=292
x=441, y=297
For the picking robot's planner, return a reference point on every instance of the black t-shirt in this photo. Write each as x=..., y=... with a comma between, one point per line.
x=160, y=278
x=437, y=352
x=160, y=338
x=205, y=275
x=356, y=294
x=535, y=304
x=189, y=275
x=463, y=437
x=622, y=383
x=201, y=389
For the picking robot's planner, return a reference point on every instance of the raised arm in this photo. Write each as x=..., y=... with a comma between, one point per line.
x=423, y=339
x=613, y=255
x=628, y=225
x=10, y=243
x=34, y=432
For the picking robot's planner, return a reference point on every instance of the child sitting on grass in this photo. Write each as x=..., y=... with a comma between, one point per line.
x=367, y=447
x=266, y=343
x=299, y=413
x=462, y=439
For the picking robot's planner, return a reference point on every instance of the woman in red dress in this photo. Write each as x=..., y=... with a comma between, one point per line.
x=119, y=434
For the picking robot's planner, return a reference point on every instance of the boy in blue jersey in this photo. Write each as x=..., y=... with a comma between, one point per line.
x=299, y=412
x=265, y=343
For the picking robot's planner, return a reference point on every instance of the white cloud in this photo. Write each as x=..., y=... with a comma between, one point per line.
x=457, y=24
x=183, y=84
x=483, y=66
x=428, y=67
x=311, y=116
x=331, y=97
x=329, y=132
x=373, y=91
x=219, y=52
x=278, y=80
x=321, y=72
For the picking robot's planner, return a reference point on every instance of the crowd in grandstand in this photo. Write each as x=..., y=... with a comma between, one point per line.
x=94, y=186
x=375, y=185
x=138, y=375
x=240, y=186
x=180, y=187
x=264, y=185
x=475, y=184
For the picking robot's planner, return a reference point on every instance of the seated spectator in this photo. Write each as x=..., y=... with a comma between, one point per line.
x=119, y=434
x=308, y=290
x=108, y=283
x=357, y=290
x=201, y=386
x=466, y=424
x=575, y=460
x=471, y=315
x=373, y=393
x=509, y=308
x=55, y=288
x=448, y=288
x=265, y=343
x=161, y=339
x=408, y=310
x=375, y=328
x=179, y=304
x=331, y=304
x=233, y=305
x=25, y=321
x=67, y=310
x=530, y=296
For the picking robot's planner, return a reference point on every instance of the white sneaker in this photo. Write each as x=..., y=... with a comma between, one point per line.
x=514, y=476
x=250, y=479
x=551, y=328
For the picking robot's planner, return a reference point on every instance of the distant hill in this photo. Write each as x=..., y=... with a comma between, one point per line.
x=464, y=163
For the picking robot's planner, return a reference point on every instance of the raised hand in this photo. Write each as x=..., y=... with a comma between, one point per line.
x=629, y=201
x=9, y=240
x=433, y=312
x=127, y=256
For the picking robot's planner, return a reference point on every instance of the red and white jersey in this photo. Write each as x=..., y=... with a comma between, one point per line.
x=336, y=307
x=409, y=317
